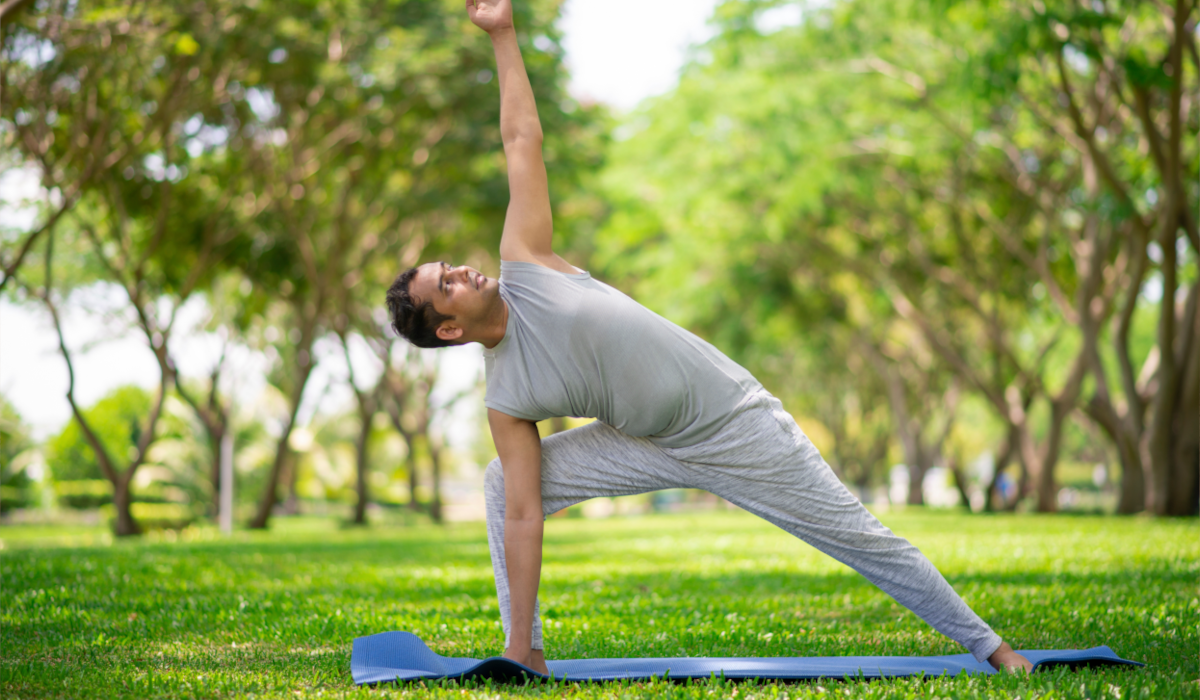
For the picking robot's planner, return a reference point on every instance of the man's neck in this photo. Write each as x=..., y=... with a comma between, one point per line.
x=497, y=328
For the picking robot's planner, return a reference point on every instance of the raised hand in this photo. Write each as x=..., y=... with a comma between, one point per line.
x=490, y=15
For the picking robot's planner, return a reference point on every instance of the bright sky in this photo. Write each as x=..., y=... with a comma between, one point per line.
x=618, y=51
x=622, y=51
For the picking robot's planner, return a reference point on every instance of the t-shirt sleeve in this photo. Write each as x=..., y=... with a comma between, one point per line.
x=511, y=411
x=534, y=286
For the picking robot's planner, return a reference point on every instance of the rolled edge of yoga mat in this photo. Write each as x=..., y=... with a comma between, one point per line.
x=402, y=656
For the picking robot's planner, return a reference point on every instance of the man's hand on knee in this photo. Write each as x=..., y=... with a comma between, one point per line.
x=1005, y=659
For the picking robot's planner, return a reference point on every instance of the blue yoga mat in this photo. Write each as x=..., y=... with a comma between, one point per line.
x=402, y=656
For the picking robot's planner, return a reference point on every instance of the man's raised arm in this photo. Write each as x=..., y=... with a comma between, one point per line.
x=528, y=227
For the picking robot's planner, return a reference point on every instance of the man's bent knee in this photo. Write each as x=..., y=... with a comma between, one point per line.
x=493, y=479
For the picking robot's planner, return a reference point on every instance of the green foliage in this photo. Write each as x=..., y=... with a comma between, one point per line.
x=173, y=485
x=916, y=178
x=15, y=444
x=15, y=435
x=117, y=421
x=274, y=615
x=108, y=115
x=285, y=156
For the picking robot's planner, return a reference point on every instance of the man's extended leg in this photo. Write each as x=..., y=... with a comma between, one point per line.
x=587, y=462
x=764, y=463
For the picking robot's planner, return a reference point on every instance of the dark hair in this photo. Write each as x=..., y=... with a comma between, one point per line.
x=415, y=320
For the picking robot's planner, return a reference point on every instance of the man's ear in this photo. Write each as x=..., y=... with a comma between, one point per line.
x=448, y=332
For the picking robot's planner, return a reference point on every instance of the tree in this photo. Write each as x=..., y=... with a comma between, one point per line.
x=107, y=441
x=40, y=83
x=369, y=401
x=931, y=153
x=407, y=382
x=1120, y=73
x=923, y=401
x=307, y=149
x=214, y=413
x=851, y=402
x=383, y=134
x=1088, y=127
x=16, y=443
x=124, y=78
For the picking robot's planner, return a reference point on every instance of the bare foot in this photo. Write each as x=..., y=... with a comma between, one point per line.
x=534, y=659
x=1005, y=659
x=537, y=661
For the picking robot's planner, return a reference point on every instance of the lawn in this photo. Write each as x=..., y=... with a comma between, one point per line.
x=273, y=614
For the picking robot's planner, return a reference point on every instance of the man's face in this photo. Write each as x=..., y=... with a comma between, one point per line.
x=456, y=291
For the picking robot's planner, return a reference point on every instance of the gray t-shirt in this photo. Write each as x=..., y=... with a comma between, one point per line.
x=575, y=346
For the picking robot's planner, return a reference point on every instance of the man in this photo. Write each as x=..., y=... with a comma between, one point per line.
x=673, y=412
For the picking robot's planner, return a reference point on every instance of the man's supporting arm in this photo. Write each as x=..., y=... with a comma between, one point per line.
x=520, y=450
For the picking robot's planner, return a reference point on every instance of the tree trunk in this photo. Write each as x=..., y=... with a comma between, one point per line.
x=214, y=416
x=215, y=435
x=960, y=481
x=360, y=463
x=1043, y=463
x=916, y=481
x=410, y=457
x=1046, y=485
x=1173, y=336
x=270, y=495
x=1132, y=498
x=1022, y=488
x=922, y=455
x=993, y=492
x=368, y=405
x=863, y=486
x=411, y=462
x=215, y=424
x=1040, y=468
x=1046, y=489
x=1184, y=496
x=1165, y=402
x=1134, y=440
x=266, y=503
x=1184, y=492
x=291, y=503
x=1172, y=437
x=435, y=502
x=124, y=525
x=994, y=498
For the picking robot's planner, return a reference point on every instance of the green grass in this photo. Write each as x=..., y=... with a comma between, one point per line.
x=273, y=615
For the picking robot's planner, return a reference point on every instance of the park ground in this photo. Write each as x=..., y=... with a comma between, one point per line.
x=272, y=615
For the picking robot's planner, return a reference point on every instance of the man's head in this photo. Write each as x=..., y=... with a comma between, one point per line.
x=436, y=305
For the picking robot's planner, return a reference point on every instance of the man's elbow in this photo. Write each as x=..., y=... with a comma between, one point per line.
x=523, y=517
x=530, y=137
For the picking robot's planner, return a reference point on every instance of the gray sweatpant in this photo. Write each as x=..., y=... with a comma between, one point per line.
x=762, y=462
